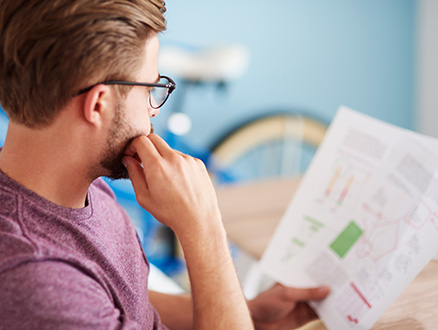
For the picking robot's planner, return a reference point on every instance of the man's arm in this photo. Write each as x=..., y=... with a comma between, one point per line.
x=276, y=308
x=177, y=191
x=176, y=311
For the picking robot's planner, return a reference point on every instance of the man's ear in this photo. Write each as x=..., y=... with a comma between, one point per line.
x=97, y=105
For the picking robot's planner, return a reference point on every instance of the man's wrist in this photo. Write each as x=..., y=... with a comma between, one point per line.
x=209, y=228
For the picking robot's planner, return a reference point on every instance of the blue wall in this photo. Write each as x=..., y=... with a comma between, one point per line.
x=309, y=55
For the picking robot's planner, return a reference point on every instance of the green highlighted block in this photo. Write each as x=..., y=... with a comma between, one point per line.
x=343, y=243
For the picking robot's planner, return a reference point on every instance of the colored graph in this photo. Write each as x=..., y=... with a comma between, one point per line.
x=352, y=304
x=341, y=181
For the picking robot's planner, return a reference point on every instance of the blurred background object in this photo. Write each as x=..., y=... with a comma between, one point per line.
x=426, y=78
x=306, y=55
x=220, y=63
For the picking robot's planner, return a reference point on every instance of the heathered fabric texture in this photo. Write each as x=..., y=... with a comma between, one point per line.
x=64, y=268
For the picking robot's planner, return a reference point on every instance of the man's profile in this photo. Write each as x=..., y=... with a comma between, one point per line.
x=79, y=81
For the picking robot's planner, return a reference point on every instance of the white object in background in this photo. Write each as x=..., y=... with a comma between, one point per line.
x=427, y=67
x=216, y=64
x=179, y=123
x=160, y=282
x=252, y=279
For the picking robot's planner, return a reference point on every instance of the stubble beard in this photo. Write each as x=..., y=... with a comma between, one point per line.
x=121, y=135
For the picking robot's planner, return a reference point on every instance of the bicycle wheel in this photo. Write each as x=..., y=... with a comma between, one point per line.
x=275, y=145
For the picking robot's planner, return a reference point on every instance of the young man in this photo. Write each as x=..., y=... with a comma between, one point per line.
x=79, y=81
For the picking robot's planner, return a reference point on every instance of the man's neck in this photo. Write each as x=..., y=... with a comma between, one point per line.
x=44, y=163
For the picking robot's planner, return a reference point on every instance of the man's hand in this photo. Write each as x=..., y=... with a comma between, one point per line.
x=281, y=307
x=175, y=188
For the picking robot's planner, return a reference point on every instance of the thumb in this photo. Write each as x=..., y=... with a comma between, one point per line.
x=137, y=177
x=307, y=294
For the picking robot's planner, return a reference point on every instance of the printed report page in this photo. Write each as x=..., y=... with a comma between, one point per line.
x=364, y=220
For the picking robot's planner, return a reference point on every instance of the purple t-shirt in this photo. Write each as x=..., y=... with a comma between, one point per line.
x=63, y=268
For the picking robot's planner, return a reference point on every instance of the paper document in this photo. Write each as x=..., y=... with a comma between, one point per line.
x=364, y=220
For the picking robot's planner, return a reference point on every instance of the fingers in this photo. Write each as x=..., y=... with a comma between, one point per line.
x=162, y=147
x=136, y=175
x=168, y=184
x=144, y=148
x=151, y=146
x=307, y=294
x=302, y=314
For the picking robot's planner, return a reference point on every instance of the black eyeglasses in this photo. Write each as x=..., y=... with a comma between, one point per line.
x=158, y=94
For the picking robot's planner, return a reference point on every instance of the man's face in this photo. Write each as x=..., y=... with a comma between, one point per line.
x=131, y=116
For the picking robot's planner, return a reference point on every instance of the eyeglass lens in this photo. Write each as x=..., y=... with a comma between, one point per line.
x=159, y=94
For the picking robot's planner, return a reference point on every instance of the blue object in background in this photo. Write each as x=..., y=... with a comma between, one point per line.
x=305, y=54
x=3, y=126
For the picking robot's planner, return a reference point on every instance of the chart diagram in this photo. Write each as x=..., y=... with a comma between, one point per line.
x=344, y=183
x=352, y=304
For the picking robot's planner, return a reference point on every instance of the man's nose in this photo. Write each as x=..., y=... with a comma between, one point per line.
x=153, y=112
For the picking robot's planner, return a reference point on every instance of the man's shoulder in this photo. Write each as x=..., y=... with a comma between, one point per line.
x=53, y=293
x=8, y=200
x=101, y=186
x=13, y=239
x=105, y=202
